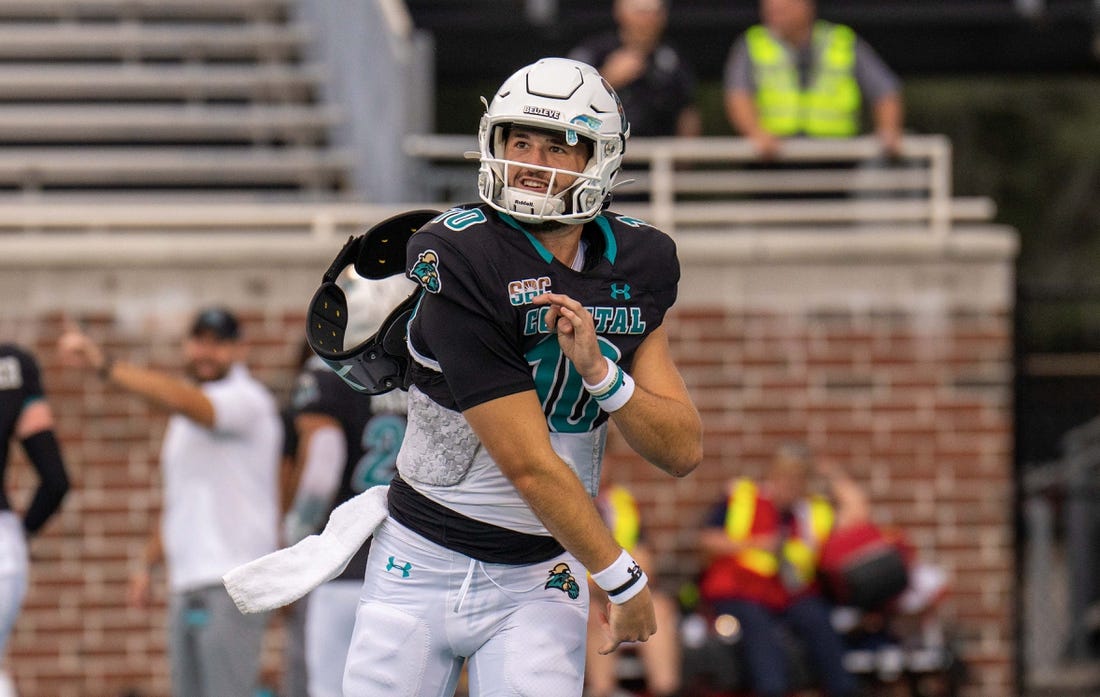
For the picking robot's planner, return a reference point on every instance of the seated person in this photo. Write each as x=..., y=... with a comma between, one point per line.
x=761, y=545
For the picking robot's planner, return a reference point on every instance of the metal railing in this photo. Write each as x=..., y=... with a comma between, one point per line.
x=719, y=182
x=702, y=185
x=1061, y=570
x=171, y=231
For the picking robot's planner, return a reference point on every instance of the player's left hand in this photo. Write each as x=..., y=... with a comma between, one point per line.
x=576, y=334
x=634, y=620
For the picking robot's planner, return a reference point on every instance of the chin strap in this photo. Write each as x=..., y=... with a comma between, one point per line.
x=522, y=202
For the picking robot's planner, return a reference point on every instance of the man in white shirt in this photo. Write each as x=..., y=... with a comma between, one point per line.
x=220, y=462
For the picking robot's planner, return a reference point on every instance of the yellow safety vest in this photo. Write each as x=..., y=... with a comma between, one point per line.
x=625, y=523
x=829, y=107
x=801, y=552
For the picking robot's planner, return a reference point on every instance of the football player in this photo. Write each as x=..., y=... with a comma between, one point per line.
x=24, y=415
x=540, y=318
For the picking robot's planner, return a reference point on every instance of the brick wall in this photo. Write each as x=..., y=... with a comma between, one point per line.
x=891, y=356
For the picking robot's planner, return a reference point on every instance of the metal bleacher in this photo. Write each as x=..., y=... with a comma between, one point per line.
x=122, y=97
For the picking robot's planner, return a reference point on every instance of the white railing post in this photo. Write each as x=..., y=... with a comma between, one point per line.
x=939, y=190
x=662, y=192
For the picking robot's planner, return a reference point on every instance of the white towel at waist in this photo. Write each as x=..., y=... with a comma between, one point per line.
x=282, y=577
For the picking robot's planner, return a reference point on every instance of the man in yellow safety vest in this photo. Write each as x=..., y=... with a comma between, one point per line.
x=795, y=75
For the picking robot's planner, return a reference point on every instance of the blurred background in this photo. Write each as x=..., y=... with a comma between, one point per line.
x=939, y=335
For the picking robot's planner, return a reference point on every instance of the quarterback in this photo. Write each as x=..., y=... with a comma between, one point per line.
x=539, y=318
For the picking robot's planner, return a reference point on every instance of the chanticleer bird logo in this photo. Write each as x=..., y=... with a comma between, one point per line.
x=426, y=271
x=562, y=579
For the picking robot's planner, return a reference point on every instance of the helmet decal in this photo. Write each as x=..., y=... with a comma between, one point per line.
x=542, y=111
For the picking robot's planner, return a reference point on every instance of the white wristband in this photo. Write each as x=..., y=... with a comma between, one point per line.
x=623, y=580
x=614, y=391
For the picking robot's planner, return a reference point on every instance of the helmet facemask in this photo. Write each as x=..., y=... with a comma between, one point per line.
x=562, y=97
x=580, y=201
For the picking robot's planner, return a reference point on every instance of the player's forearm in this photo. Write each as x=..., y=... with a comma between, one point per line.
x=659, y=420
x=560, y=501
x=45, y=454
x=513, y=431
x=664, y=431
x=172, y=393
x=323, y=453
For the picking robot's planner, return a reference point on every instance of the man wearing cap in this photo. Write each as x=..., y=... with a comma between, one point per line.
x=220, y=460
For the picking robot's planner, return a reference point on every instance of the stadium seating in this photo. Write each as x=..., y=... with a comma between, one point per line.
x=167, y=96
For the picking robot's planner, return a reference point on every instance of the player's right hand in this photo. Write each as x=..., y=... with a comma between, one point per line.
x=634, y=620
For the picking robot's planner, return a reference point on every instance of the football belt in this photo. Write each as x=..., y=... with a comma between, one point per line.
x=379, y=363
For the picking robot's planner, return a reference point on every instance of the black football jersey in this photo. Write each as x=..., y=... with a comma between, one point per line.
x=372, y=432
x=475, y=336
x=20, y=384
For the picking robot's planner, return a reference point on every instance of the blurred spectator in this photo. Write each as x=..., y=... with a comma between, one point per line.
x=655, y=84
x=795, y=75
x=660, y=655
x=139, y=590
x=220, y=460
x=295, y=677
x=25, y=415
x=347, y=443
x=762, y=544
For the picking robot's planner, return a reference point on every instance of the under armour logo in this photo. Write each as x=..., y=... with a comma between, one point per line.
x=391, y=565
x=635, y=572
x=620, y=292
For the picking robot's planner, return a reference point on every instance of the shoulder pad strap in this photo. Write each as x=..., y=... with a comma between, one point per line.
x=381, y=253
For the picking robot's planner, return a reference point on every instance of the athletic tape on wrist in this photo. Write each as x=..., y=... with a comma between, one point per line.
x=605, y=385
x=614, y=390
x=623, y=580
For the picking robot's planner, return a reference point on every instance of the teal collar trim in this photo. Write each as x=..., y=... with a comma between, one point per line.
x=543, y=251
x=611, y=248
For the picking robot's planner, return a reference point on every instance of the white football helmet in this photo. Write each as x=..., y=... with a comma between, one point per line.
x=560, y=95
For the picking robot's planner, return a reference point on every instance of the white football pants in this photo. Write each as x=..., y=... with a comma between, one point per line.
x=425, y=609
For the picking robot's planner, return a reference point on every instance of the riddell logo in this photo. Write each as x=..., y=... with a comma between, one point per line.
x=542, y=111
